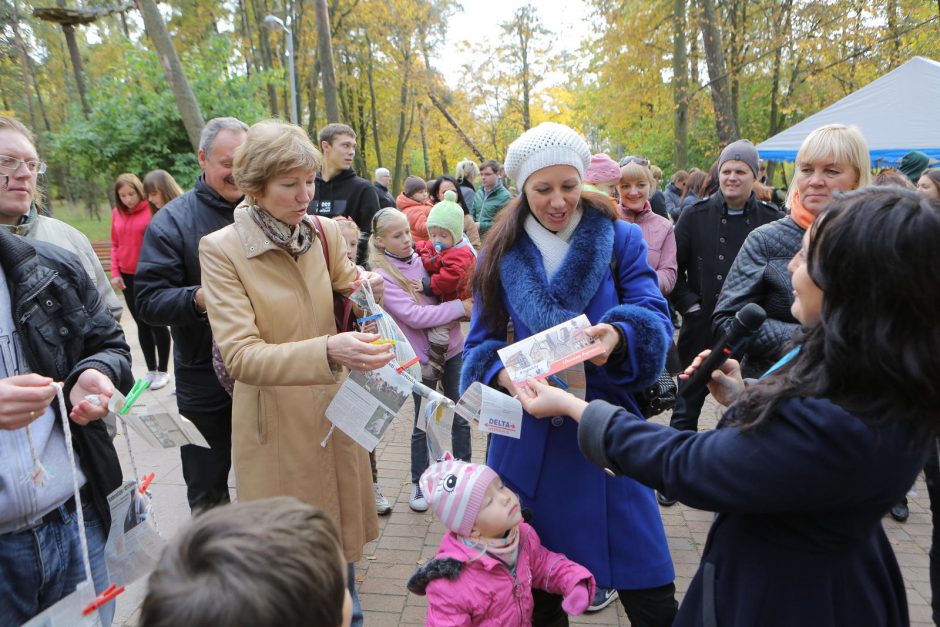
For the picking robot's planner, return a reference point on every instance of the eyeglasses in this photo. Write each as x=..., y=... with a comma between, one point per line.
x=637, y=160
x=9, y=165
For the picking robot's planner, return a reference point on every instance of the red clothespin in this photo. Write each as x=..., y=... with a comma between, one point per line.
x=402, y=368
x=105, y=597
x=145, y=482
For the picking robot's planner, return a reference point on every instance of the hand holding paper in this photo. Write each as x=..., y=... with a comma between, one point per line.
x=544, y=401
x=357, y=352
x=90, y=382
x=608, y=337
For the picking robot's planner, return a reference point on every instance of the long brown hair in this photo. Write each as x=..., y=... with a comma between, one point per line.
x=501, y=238
x=161, y=181
x=127, y=180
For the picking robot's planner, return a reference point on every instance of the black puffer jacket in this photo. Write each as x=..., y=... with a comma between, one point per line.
x=759, y=275
x=347, y=194
x=168, y=275
x=65, y=329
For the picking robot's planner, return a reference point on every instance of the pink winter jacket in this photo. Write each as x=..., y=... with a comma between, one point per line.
x=660, y=242
x=465, y=590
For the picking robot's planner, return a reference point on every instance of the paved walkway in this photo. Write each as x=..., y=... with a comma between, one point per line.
x=407, y=539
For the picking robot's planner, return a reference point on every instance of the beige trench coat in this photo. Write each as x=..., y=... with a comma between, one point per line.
x=271, y=317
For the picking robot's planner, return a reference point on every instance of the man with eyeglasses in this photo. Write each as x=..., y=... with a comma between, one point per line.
x=20, y=169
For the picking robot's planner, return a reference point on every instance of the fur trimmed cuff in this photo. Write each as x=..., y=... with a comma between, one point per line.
x=477, y=362
x=649, y=341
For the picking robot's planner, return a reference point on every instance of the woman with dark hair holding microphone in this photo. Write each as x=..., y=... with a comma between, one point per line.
x=806, y=461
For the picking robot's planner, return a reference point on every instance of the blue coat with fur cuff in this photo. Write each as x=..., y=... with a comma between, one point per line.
x=610, y=525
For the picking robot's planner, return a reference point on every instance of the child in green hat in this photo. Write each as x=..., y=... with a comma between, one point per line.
x=449, y=259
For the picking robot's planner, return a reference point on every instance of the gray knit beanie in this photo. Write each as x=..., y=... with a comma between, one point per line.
x=741, y=150
x=546, y=145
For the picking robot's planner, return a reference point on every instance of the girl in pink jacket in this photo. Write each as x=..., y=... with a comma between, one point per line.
x=489, y=562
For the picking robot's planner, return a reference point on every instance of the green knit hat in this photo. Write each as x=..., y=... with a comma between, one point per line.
x=447, y=214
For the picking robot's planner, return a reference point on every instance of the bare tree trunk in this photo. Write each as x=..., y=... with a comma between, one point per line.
x=680, y=87
x=424, y=143
x=325, y=50
x=526, y=81
x=312, y=102
x=402, y=129
x=892, y=11
x=725, y=123
x=21, y=49
x=374, y=110
x=267, y=59
x=775, y=117
x=76, y=57
x=173, y=69
x=466, y=138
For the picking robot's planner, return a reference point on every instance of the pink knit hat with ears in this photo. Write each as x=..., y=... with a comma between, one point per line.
x=455, y=491
x=602, y=169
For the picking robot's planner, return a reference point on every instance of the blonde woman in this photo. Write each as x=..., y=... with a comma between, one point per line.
x=269, y=295
x=833, y=158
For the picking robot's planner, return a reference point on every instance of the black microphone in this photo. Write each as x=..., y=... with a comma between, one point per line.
x=745, y=324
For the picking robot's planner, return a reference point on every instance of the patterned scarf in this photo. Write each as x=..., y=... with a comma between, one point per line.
x=296, y=240
x=505, y=549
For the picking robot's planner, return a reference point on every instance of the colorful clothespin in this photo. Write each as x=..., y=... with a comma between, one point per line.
x=369, y=318
x=403, y=367
x=105, y=597
x=384, y=341
x=145, y=482
x=139, y=386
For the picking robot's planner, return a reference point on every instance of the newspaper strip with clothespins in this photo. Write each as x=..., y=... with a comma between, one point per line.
x=159, y=430
x=376, y=319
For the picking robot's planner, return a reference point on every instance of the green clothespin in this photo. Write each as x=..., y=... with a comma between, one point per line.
x=139, y=386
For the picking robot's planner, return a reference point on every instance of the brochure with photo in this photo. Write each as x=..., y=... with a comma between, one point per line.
x=367, y=402
x=550, y=351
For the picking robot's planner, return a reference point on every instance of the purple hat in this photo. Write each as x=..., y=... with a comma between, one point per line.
x=602, y=169
x=455, y=490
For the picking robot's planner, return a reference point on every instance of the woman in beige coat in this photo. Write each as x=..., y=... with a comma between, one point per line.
x=269, y=299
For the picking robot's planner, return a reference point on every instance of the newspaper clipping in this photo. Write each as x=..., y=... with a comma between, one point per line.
x=161, y=430
x=68, y=611
x=133, y=546
x=493, y=411
x=367, y=402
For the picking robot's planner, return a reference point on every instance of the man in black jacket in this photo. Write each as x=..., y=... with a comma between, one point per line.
x=169, y=293
x=53, y=327
x=708, y=237
x=339, y=192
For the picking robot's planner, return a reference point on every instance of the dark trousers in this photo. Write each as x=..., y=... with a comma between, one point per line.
x=652, y=607
x=932, y=477
x=695, y=335
x=154, y=341
x=205, y=470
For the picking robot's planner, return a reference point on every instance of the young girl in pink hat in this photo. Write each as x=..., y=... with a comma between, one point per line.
x=490, y=560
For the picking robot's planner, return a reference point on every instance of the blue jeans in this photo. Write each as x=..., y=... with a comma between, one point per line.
x=43, y=565
x=460, y=438
x=357, y=619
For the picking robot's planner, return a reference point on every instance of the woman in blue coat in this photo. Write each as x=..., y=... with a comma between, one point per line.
x=805, y=462
x=553, y=255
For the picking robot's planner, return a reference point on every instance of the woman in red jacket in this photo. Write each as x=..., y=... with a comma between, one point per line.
x=129, y=220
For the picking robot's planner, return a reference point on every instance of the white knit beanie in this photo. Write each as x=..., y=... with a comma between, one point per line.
x=546, y=145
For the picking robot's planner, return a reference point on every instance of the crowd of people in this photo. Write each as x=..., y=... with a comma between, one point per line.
x=831, y=411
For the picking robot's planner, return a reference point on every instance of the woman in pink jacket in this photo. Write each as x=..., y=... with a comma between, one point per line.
x=129, y=220
x=636, y=184
x=489, y=561
x=392, y=255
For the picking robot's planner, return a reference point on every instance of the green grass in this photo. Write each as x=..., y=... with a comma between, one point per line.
x=75, y=215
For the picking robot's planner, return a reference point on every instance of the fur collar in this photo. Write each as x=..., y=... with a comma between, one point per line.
x=540, y=303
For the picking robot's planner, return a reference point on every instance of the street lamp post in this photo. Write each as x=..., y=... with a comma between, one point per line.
x=274, y=22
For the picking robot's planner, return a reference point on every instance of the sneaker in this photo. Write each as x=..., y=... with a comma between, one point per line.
x=148, y=377
x=159, y=380
x=602, y=598
x=382, y=506
x=417, y=502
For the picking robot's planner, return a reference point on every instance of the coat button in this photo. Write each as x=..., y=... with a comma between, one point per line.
x=610, y=472
x=49, y=302
x=63, y=331
x=724, y=221
x=721, y=257
x=721, y=239
x=719, y=277
x=557, y=421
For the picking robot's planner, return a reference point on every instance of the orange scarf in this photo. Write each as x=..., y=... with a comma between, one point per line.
x=800, y=214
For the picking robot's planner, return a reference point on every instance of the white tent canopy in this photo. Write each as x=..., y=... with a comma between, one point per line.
x=896, y=113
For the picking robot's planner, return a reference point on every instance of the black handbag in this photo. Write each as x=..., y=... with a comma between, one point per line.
x=659, y=397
